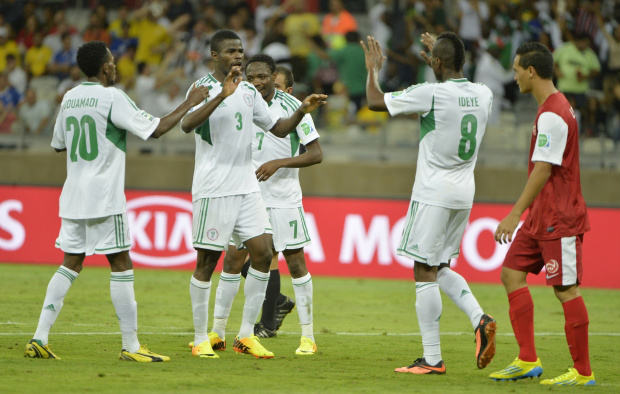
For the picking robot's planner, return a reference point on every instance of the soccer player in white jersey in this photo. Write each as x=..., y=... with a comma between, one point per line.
x=277, y=162
x=453, y=115
x=92, y=128
x=225, y=191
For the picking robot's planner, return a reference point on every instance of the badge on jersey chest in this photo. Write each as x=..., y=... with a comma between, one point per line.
x=248, y=99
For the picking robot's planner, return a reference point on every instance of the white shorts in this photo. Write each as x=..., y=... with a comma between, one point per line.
x=105, y=235
x=289, y=228
x=432, y=234
x=218, y=220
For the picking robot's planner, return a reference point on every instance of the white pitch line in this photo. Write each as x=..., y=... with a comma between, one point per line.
x=360, y=334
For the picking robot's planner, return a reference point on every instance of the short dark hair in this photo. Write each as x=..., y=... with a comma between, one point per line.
x=288, y=75
x=220, y=36
x=141, y=67
x=91, y=57
x=451, y=50
x=262, y=58
x=537, y=55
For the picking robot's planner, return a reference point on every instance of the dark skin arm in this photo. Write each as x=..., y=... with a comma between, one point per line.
x=198, y=117
x=312, y=156
x=534, y=185
x=374, y=61
x=283, y=126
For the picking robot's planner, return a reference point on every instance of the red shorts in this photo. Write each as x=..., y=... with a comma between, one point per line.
x=560, y=257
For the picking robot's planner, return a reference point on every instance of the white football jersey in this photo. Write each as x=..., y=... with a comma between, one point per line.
x=282, y=189
x=92, y=125
x=453, y=118
x=223, y=165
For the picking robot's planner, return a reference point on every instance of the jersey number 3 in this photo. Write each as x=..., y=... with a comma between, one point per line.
x=88, y=143
x=469, y=128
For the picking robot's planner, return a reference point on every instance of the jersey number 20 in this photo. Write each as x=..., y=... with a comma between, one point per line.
x=88, y=144
x=469, y=127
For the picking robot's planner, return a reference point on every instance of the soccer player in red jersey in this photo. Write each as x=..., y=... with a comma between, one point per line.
x=552, y=233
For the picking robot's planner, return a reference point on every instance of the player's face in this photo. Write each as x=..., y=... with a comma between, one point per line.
x=259, y=75
x=109, y=70
x=230, y=55
x=522, y=76
x=280, y=84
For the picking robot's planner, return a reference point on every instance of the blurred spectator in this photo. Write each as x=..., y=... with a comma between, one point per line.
x=126, y=68
x=472, y=15
x=147, y=82
x=74, y=79
x=322, y=70
x=7, y=118
x=53, y=40
x=122, y=41
x=9, y=96
x=352, y=68
x=96, y=30
x=379, y=19
x=177, y=8
x=37, y=57
x=153, y=39
x=612, y=67
x=575, y=65
x=34, y=114
x=299, y=26
x=63, y=60
x=265, y=11
x=593, y=118
x=586, y=21
x=118, y=24
x=13, y=12
x=25, y=37
x=102, y=11
x=7, y=47
x=169, y=100
x=432, y=17
x=336, y=24
x=489, y=71
x=198, y=48
x=16, y=75
x=275, y=46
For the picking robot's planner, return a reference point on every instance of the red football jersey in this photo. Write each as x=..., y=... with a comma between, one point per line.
x=559, y=210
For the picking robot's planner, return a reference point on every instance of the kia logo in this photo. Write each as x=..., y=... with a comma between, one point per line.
x=161, y=231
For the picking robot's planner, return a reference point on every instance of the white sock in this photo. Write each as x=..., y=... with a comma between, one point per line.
x=428, y=308
x=124, y=300
x=456, y=287
x=56, y=291
x=199, y=292
x=254, y=290
x=227, y=289
x=303, y=299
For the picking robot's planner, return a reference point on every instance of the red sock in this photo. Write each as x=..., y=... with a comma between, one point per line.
x=576, y=328
x=522, y=318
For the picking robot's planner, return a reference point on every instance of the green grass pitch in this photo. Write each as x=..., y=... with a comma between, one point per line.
x=364, y=329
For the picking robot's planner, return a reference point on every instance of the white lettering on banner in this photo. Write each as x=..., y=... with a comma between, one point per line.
x=315, y=249
x=355, y=238
x=139, y=217
x=11, y=226
x=470, y=245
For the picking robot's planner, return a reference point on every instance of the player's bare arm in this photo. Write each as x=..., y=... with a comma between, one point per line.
x=194, y=119
x=534, y=185
x=374, y=61
x=312, y=156
x=428, y=41
x=283, y=126
x=196, y=96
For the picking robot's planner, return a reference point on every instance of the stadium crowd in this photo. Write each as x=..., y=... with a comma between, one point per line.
x=160, y=47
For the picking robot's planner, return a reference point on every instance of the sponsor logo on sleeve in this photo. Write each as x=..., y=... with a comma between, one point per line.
x=306, y=128
x=399, y=93
x=544, y=140
x=146, y=115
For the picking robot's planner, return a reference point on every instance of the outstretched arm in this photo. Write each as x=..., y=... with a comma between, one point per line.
x=534, y=185
x=374, y=61
x=199, y=116
x=312, y=156
x=284, y=125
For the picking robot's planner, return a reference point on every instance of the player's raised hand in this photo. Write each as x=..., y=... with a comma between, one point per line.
x=506, y=228
x=373, y=54
x=429, y=42
x=232, y=80
x=198, y=94
x=313, y=102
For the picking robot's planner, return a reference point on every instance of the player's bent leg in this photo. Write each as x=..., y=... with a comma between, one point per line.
x=519, y=369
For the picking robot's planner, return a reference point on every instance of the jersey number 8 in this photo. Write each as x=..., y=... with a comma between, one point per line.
x=469, y=128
